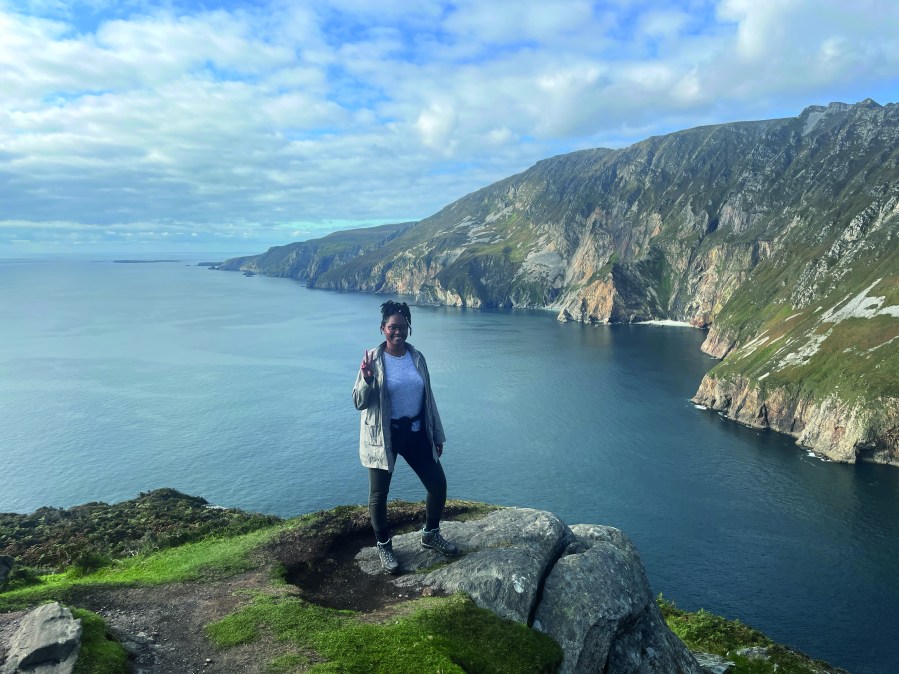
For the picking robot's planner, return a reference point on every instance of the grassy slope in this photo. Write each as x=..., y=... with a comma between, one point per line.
x=99, y=654
x=447, y=634
x=293, y=259
x=857, y=361
x=706, y=632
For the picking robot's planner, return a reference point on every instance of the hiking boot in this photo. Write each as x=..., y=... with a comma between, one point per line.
x=388, y=559
x=432, y=539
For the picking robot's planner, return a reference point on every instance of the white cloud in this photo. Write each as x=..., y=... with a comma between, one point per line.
x=500, y=136
x=238, y=123
x=435, y=125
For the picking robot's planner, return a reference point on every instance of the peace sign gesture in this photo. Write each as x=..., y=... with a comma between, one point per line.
x=366, y=367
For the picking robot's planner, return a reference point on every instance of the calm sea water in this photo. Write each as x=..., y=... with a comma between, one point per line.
x=121, y=378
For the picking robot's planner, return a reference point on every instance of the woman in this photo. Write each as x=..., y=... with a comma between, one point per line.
x=399, y=416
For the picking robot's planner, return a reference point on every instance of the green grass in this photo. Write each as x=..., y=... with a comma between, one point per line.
x=448, y=634
x=99, y=653
x=709, y=633
x=844, y=364
x=285, y=664
x=605, y=269
x=856, y=363
x=214, y=557
x=217, y=556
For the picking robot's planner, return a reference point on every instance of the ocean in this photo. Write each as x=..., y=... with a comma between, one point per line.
x=116, y=379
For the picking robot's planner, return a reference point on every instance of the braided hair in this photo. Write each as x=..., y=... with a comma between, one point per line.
x=390, y=308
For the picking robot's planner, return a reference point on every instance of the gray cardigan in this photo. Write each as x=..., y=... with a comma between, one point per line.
x=374, y=403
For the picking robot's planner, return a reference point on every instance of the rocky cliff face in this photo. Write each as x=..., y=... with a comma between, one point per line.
x=835, y=428
x=760, y=230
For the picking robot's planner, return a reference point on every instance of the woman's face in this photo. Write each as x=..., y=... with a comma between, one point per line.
x=395, y=331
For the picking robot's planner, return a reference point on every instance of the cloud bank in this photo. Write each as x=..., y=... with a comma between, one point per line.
x=239, y=126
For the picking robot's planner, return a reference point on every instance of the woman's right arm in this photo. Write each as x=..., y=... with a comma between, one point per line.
x=364, y=386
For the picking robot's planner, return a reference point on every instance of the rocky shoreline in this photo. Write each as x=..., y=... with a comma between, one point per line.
x=831, y=428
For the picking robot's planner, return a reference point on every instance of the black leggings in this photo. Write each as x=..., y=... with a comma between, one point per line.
x=416, y=449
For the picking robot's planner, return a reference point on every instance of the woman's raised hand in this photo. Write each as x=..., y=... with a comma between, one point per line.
x=366, y=367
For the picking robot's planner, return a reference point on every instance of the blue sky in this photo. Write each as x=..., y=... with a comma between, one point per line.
x=235, y=126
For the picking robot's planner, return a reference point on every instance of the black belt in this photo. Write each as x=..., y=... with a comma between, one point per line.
x=404, y=423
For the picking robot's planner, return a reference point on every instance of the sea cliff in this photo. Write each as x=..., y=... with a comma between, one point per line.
x=781, y=236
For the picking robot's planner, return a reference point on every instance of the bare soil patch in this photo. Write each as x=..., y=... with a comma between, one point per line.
x=322, y=565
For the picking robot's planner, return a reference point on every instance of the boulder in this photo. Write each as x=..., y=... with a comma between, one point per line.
x=48, y=640
x=584, y=586
x=597, y=604
x=503, y=561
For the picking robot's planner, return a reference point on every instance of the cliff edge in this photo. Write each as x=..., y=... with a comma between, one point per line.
x=527, y=594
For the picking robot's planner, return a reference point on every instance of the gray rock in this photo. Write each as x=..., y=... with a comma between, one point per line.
x=713, y=664
x=584, y=586
x=48, y=640
x=755, y=653
x=598, y=605
x=504, y=558
x=6, y=564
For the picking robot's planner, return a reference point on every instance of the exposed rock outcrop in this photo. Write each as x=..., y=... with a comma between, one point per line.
x=718, y=343
x=597, y=604
x=831, y=427
x=583, y=585
x=47, y=641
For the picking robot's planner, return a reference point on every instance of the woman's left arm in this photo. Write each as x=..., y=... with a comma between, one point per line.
x=437, y=434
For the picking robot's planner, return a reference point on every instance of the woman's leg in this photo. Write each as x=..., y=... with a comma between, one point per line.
x=378, y=487
x=431, y=474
